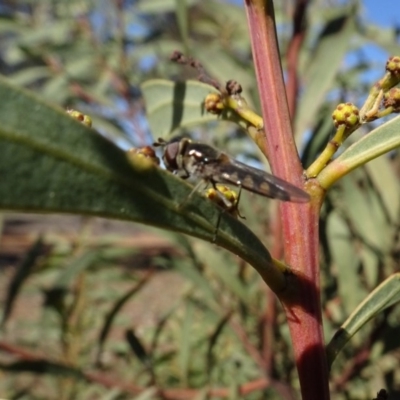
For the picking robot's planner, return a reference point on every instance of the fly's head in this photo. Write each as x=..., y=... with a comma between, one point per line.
x=174, y=153
x=190, y=159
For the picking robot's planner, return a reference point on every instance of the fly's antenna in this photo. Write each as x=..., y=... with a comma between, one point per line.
x=160, y=143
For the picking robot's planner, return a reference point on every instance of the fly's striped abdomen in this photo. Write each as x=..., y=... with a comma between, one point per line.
x=258, y=181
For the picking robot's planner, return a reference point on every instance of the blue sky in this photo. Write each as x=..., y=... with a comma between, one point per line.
x=382, y=12
x=386, y=14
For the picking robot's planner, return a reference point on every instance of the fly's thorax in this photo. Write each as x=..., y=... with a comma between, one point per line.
x=192, y=164
x=198, y=157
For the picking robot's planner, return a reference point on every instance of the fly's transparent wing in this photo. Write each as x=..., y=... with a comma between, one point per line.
x=227, y=170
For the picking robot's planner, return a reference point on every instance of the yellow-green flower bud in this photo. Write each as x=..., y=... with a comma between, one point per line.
x=142, y=157
x=393, y=65
x=213, y=103
x=392, y=99
x=83, y=118
x=232, y=198
x=346, y=114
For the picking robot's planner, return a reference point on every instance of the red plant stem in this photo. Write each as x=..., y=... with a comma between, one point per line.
x=299, y=222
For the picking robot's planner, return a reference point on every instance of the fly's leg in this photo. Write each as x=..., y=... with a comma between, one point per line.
x=217, y=225
x=196, y=188
x=237, y=204
x=227, y=206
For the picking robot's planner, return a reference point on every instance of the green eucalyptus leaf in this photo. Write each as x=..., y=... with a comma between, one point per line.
x=186, y=343
x=362, y=206
x=380, y=141
x=30, y=75
x=345, y=259
x=220, y=64
x=116, y=308
x=383, y=37
x=219, y=328
x=383, y=176
x=323, y=66
x=172, y=105
x=384, y=296
x=56, y=89
x=220, y=264
x=183, y=22
x=44, y=34
x=22, y=272
x=73, y=269
x=50, y=163
x=159, y=6
x=81, y=68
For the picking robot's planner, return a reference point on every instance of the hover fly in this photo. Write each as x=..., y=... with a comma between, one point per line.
x=186, y=159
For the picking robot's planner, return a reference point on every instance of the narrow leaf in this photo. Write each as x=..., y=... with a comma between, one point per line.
x=30, y=75
x=159, y=328
x=345, y=259
x=109, y=318
x=52, y=163
x=324, y=64
x=383, y=176
x=221, y=265
x=185, y=343
x=171, y=105
x=213, y=341
x=190, y=271
x=380, y=141
x=42, y=367
x=182, y=17
x=158, y=6
x=73, y=269
x=21, y=274
x=136, y=346
x=384, y=296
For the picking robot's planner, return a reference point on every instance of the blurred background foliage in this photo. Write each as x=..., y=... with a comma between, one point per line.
x=101, y=310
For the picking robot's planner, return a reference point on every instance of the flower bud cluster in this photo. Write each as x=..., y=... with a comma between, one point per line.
x=213, y=103
x=393, y=65
x=83, y=118
x=142, y=156
x=346, y=114
x=392, y=99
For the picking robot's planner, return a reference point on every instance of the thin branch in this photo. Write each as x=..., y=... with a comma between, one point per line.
x=293, y=51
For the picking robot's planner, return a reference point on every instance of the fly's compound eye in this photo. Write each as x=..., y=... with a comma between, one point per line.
x=171, y=153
